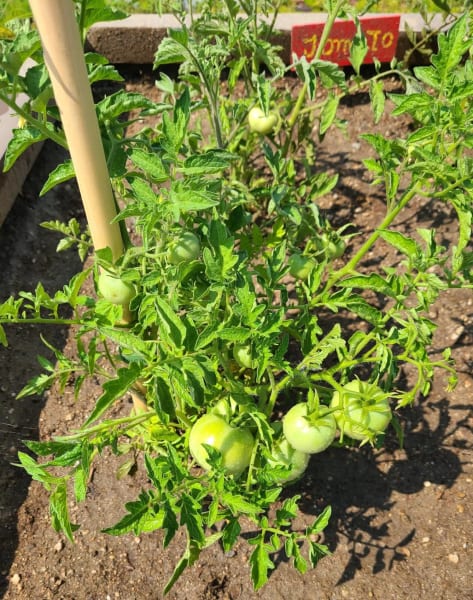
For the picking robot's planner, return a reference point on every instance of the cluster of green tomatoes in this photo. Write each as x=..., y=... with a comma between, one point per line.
x=359, y=410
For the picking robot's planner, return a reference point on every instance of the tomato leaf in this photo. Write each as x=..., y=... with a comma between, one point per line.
x=320, y=522
x=172, y=330
x=114, y=389
x=260, y=563
x=59, y=511
x=191, y=554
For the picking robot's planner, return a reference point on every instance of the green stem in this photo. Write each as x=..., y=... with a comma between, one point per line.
x=41, y=321
x=323, y=40
x=39, y=125
x=386, y=222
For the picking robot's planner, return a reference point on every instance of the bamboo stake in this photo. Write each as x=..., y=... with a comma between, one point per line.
x=64, y=58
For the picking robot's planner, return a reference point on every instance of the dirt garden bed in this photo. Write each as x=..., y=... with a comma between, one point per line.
x=401, y=525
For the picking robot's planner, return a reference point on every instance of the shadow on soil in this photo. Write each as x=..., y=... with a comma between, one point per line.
x=359, y=490
x=27, y=255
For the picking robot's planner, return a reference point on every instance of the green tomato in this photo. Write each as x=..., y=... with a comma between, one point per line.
x=261, y=123
x=300, y=266
x=115, y=290
x=234, y=444
x=243, y=356
x=288, y=457
x=309, y=434
x=185, y=248
x=226, y=408
x=335, y=248
x=236, y=450
x=362, y=410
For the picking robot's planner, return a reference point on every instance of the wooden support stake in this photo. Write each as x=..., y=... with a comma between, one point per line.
x=64, y=58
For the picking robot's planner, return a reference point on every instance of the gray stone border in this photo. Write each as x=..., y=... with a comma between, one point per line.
x=134, y=41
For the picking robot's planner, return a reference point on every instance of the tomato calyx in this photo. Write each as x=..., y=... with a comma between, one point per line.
x=362, y=410
x=309, y=431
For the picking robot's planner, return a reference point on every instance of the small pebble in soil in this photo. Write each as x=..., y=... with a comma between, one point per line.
x=15, y=579
x=453, y=558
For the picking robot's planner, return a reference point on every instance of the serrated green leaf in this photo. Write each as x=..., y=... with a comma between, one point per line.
x=37, y=472
x=328, y=113
x=368, y=282
x=187, y=200
x=260, y=563
x=428, y=75
x=127, y=340
x=321, y=521
x=115, y=389
x=212, y=161
x=171, y=327
x=401, y=242
x=191, y=554
x=170, y=524
x=231, y=533
x=191, y=518
x=21, y=140
x=150, y=163
x=363, y=309
x=59, y=511
x=170, y=51
x=111, y=107
x=238, y=504
x=59, y=174
x=358, y=49
x=378, y=99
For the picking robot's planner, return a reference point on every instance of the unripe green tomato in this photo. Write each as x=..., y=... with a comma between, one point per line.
x=300, y=266
x=236, y=450
x=185, y=248
x=363, y=410
x=285, y=455
x=115, y=290
x=309, y=436
x=261, y=123
x=335, y=248
x=243, y=356
x=226, y=408
x=234, y=444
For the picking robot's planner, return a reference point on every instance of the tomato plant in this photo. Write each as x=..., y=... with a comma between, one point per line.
x=246, y=299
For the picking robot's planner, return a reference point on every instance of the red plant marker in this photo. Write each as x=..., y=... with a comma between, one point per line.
x=381, y=31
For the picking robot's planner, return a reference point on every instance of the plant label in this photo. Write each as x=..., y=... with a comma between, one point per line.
x=381, y=32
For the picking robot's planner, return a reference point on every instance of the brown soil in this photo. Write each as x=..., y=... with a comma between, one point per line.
x=401, y=525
